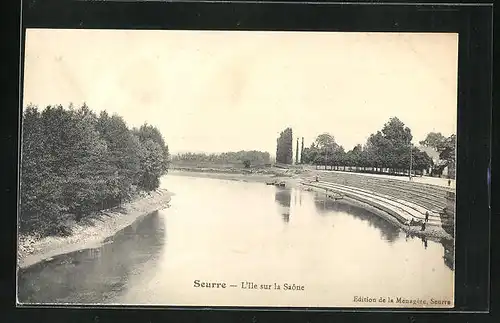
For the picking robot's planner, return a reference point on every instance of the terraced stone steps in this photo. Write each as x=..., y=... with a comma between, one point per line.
x=414, y=209
x=403, y=211
x=426, y=196
x=399, y=212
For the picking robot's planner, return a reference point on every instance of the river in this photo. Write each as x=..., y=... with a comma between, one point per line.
x=236, y=232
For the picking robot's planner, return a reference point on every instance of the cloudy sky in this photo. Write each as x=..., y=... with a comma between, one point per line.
x=225, y=91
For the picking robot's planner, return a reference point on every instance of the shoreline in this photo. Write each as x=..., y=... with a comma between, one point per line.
x=235, y=176
x=31, y=250
x=293, y=180
x=431, y=232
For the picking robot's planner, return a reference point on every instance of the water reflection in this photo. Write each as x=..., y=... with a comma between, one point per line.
x=95, y=275
x=449, y=255
x=325, y=205
x=235, y=231
x=424, y=240
x=388, y=231
x=284, y=199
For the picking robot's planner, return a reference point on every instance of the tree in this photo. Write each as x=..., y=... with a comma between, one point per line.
x=421, y=160
x=396, y=132
x=390, y=147
x=152, y=165
x=339, y=157
x=146, y=132
x=84, y=162
x=40, y=192
x=378, y=150
x=446, y=147
x=447, y=152
x=297, y=152
x=302, y=150
x=74, y=163
x=309, y=154
x=153, y=156
x=123, y=152
x=324, y=141
x=323, y=149
x=433, y=140
x=284, y=147
x=255, y=157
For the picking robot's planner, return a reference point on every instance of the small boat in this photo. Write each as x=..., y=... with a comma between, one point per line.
x=270, y=183
x=336, y=196
x=281, y=184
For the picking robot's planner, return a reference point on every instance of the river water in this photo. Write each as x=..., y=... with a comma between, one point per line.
x=248, y=234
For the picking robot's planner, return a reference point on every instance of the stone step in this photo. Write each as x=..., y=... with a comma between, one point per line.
x=433, y=217
x=401, y=212
x=424, y=201
x=394, y=184
x=421, y=210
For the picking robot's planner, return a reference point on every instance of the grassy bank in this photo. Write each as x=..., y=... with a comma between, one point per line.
x=32, y=249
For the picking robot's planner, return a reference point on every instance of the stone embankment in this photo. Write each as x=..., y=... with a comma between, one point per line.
x=406, y=202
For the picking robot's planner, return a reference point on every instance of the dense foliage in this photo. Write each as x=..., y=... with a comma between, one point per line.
x=74, y=162
x=446, y=147
x=243, y=157
x=388, y=150
x=284, y=147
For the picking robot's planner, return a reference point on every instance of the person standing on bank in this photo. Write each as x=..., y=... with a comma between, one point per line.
x=427, y=216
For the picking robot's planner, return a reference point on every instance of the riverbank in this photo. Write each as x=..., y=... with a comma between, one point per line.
x=289, y=178
x=431, y=232
x=32, y=250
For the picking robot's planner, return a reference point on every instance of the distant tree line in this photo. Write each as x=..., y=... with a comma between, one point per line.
x=387, y=151
x=243, y=157
x=74, y=162
x=284, y=147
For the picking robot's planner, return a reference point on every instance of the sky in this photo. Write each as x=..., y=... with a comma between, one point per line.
x=216, y=91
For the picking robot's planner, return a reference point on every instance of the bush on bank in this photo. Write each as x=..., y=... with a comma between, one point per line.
x=74, y=163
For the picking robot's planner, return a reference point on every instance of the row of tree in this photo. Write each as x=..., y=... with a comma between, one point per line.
x=284, y=147
x=244, y=157
x=388, y=150
x=74, y=162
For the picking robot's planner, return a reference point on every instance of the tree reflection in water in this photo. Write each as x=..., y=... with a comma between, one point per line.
x=284, y=198
x=449, y=254
x=95, y=275
x=388, y=231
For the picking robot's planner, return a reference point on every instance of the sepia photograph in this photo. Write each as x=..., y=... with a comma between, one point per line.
x=210, y=168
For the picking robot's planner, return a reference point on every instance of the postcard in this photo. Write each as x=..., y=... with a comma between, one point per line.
x=238, y=169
